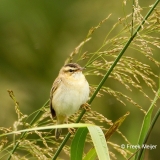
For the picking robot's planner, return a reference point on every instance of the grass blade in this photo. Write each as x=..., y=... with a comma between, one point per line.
x=148, y=133
x=91, y=155
x=99, y=142
x=146, y=122
x=75, y=125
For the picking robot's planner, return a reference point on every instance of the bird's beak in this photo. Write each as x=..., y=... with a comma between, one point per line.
x=82, y=68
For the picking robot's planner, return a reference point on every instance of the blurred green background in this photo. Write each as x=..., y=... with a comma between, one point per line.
x=35, y=39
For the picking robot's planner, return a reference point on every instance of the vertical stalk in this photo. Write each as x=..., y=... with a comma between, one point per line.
x=106, y=76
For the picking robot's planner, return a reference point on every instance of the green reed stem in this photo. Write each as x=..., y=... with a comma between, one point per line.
x=105, y=77
x=23, y=134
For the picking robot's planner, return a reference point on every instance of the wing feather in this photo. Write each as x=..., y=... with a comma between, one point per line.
x=55, y=85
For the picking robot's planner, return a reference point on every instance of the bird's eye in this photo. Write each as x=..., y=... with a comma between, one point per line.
x=70, y=70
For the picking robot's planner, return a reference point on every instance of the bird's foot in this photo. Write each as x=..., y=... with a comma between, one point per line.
x=86, y=106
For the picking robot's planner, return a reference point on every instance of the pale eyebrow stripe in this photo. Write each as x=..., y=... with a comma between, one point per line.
x=68, y=68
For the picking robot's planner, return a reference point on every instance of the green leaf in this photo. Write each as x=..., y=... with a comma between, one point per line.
x=99, y=142
x=77, y=145
x=91, y=155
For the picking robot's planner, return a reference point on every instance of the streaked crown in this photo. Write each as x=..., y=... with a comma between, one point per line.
x=71, y=68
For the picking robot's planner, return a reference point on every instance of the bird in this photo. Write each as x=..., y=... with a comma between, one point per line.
x=69, y=91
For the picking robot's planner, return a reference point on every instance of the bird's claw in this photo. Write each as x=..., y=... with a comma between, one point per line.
x=86, y=106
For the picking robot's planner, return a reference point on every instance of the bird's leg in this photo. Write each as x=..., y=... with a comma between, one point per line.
x=60, y=120
x=86, y=106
